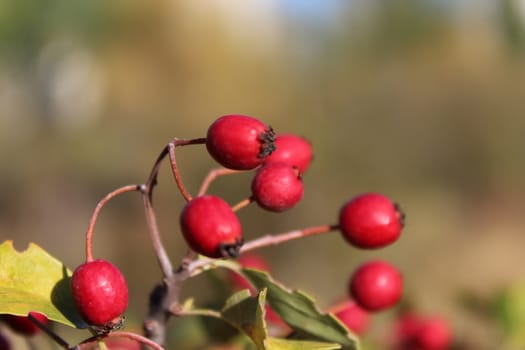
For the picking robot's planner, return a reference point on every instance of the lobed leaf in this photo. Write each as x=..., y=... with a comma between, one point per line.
x=33, y=280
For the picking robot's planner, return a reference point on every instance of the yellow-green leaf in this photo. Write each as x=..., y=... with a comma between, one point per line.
x=246, y=313
x=286, y=344
x=33, y=280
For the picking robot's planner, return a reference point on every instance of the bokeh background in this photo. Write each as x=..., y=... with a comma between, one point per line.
x=421, y=100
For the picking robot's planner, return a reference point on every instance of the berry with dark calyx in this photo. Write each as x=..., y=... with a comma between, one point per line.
x=277, y=186
x=352, y=316
x=100, y=293
x=24, y=325
x=371, y=220
x=376, y=285
x=292, y=149
x=239, y=142
x=211, y=228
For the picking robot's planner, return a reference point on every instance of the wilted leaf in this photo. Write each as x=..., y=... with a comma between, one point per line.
x=33, y=280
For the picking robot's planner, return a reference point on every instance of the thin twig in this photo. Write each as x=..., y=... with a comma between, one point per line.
x=269, y=240
x=173, y=162
x=164, y=298
x=59, y=340
x=96, y=212
x=203, y=264
x=212, y=175
x=160, y=251
x=244, y=203
x=147, y=190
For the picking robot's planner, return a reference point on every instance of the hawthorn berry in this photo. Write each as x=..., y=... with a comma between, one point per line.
x=376, y=285
x=416, y=332
x=352, y=316
x=277, y=186
x=371, y=220
x=253, y=261
x=211, y=228
x=23, y=324
x=433, y=334
x=239, y=142
x=100, y=293
x=292, y=149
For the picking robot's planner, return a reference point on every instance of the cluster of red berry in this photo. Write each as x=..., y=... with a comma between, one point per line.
x=211, y=228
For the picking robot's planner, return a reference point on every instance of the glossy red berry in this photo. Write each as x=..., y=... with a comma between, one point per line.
x=211, y=228
x=371, y=220
x=239, y=142
x=277, y=186
x=353, y=316
x=100, y=293
x=292, y=149
x=23, y=325
x=376, y=285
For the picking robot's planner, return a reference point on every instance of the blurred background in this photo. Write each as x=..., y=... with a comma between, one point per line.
x=420, y=100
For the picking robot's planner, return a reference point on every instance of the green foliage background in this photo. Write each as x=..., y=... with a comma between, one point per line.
x=421, y=100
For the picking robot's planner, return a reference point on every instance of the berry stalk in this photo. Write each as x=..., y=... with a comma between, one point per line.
x=274, y=239
x=44, y=327
x=96, y=212
x=244, y=203
x=173, y=162
x=212, y=175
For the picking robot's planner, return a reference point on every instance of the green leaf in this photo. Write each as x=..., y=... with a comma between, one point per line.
x=285, y=344
x=246, y=313
x=33, y=280
x=510, y=312
x=299, y=311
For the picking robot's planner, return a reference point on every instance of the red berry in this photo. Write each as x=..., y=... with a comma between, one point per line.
x=239, y=142
x=100, y=292
x=353, y=316
x=211, y=228
x=292, y=149
x=433, y=334
x=405, y=330
x=415, y=332
x=23, y=324
x=370, y=220
x=252, y=261
x=4, y=343
x=277, y=186
x=376, y=285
